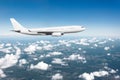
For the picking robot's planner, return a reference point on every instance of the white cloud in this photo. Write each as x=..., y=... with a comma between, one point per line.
x=39, y=48
x=43, y=42
x=57, y=76
x=2, y=45
x=76, y=57
x=9, y=59
x=5, y=50
x=113, y=71
x=66, y=43
x=117, y=77
x=22, y=61
x=18, y=43
x=80, y=49
x=108, y=54
x=100, y=73
x=106, y=48
x=35, y=59
x=84, y=51
x=95, y=45
x=18, y=52
x=92, y=75
x=8, y=44
x=34, y=47
x=110, y=70
x=94, y=39
x=53, y=54
x=58, y=61
x=48, y=47
x=42, y=56
x=102, y=42
x=110, y=39
x=30, y=49
x=2, y=74
x=41, y=65
x=87, y=76
x=84, y=42
x=56, y=53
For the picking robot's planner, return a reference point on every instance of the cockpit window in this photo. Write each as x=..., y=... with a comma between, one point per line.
x=82, y=27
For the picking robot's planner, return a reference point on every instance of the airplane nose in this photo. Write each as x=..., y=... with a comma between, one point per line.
x=83, y=28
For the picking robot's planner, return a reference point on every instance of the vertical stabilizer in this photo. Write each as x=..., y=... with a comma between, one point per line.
x=17, y=26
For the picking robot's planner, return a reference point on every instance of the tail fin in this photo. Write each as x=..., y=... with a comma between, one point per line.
x=17, y=26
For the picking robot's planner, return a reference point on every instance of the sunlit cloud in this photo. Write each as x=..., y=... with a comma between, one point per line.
x=41, y=65
x=57, y=76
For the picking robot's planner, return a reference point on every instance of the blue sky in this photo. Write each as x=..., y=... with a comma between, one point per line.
x=100, y=17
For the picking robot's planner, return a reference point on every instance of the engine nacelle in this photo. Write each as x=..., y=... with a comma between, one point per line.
x=56, y=34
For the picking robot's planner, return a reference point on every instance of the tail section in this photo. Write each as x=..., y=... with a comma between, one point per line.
x=17, y=26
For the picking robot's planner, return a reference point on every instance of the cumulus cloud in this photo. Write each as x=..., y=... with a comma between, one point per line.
x=110, y=70
x=58, y=61
x=18, y=52
x=80, y=49
x=42, y=56
x=63, y=42
x=10, y=59
x=113, y=71
x=76, y=57
x=39, y=48
x=108, y=54
x=30, y=49
x=84, y=42
x=92, y=75
x=22, y=62
x=34, y=47
x=35, y=59
x=38, y=45
x=2, y=45
x=102, y=42
x=87, y=76
x=93, y=40
x=44, y=42
x=100, y=73
x=8, y=44
x=5, y=50
x=48, y=47
x=106, y=48
x=57, y=76
x=117, y=77
x=53, y=54
x=41, y=65
x=110, y=39
x=95, y=45
x=2, y=74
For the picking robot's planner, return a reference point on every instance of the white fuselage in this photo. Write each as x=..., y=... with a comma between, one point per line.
x=65, y=29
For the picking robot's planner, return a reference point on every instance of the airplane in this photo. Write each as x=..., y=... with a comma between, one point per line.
x=54, y=31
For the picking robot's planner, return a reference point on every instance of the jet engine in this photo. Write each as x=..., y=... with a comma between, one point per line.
x=56, y=34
